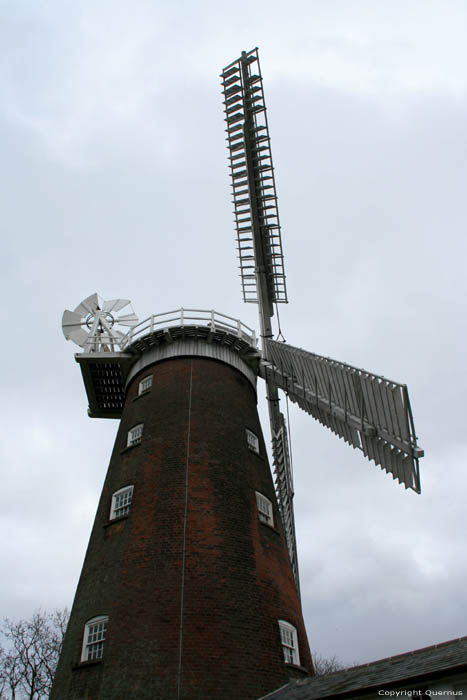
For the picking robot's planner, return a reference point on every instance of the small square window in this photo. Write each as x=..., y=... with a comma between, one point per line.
x=135, y=435
x=252, y=441
x=289, y=641
x=121, y=501
x=94, y=637
x=145, y=384
x=264, y=505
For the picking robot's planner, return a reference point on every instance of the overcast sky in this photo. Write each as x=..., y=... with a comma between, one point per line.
x=114, y=180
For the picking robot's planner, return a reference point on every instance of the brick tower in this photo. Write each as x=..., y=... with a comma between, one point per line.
x=187, y=590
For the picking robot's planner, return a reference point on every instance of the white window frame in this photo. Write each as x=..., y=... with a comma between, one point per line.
x=145, y=384
x=265, y=511
x=120, y=505
x=135, y=435
x=252, y=441
x=289, y=641
x=95, y=632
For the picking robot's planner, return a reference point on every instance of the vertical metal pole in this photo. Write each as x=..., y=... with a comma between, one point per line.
x=265, y=301
x=266, y=310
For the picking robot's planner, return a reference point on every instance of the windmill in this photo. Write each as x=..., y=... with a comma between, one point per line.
x=189, y=588
x=368, y=411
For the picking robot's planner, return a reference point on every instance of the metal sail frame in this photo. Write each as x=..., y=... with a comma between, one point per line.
x=253, y=185
x=370, y=412
x=259, y=242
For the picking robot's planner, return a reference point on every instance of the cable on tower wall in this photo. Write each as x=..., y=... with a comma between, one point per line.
x=185, y=515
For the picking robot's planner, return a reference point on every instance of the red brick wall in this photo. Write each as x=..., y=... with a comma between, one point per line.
x=237, y=577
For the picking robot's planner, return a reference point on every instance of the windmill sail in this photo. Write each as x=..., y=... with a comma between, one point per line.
x=369, y=412
x=253, y=186
x=285, y=490
x=259, y=239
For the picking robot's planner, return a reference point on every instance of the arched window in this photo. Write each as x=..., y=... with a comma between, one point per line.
x=145, y=384
x=121, y=501
x=135, y=435
x=264, y=506
x=252, y=441
x=94, y=637
x=289, y=642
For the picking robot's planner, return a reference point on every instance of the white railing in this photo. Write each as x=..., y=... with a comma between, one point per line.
x=189, y=317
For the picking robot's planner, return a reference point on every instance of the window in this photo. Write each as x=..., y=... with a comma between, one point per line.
x=145, y=384
x=289, y=642
x=94, y=638
x=264, y=509
x=252, y=441
x=135, y=435
x=121, y=501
